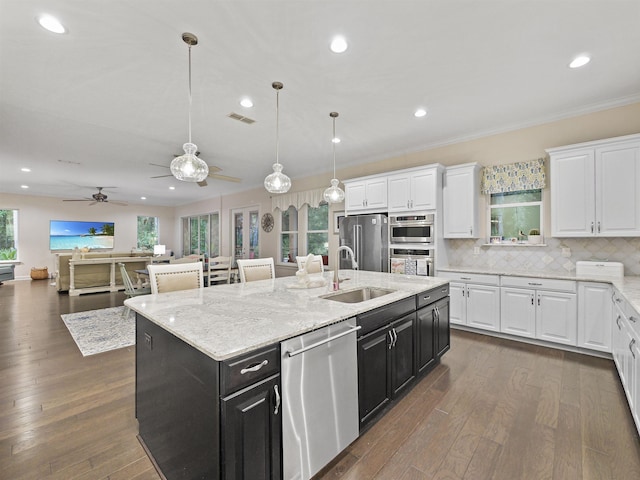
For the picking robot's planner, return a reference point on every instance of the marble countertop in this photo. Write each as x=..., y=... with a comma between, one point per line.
x=224, y=321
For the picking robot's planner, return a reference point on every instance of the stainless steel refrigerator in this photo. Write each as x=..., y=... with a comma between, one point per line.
x=368, y=237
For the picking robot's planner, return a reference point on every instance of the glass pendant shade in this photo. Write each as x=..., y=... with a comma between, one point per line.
x=277, y=182
x=188, y=167
x=334, y=193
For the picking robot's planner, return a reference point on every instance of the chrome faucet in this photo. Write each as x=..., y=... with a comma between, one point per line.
x=354, y=265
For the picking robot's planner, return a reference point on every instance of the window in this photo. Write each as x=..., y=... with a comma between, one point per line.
x=513, y=215
x=318, y=230
x=303, y=232
x=289, y=235
x=8, y=229
x=201, y=235
x=147, y=232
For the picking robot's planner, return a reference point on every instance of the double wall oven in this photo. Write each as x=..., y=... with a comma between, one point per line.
x=411, y=244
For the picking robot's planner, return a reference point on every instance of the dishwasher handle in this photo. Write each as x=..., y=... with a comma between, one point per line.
x=322, y=342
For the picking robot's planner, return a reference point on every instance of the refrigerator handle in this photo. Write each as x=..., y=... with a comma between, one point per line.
x=357, y=242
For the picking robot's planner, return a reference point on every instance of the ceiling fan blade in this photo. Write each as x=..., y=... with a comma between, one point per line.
x=79, y=200
x=117, y=203
x=225, y=178
x=203, y=183
x=161, y=176
x=158, y=165
x=213, y=168
x=93, y=203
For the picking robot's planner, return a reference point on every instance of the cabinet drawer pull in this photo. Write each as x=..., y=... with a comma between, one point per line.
x=444, y=290
x=275, y=389
x=427, y=297
x=591, y=227
x=254, y=368
x=631, y=343
x=632, y=319
x=535, y=284
x=598, y=226
x=618, y=322
x=465, y=278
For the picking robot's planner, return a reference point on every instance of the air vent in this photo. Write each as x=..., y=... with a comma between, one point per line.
x=241, y=118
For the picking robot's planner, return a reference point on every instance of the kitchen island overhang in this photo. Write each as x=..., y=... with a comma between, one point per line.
x=208, y=365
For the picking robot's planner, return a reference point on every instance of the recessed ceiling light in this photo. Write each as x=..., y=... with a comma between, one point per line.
x=143, y=198
x=52, y=24
x=246, y=102
x=25, y=169
x=24, y=186
x=335, y=140
x=172, y=188
x=339, y=44
x=421, y=112
x=579, y=61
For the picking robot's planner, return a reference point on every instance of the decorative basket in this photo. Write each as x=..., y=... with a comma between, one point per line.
x=39, y=273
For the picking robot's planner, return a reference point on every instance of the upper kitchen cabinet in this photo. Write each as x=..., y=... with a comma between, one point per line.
x=415, y=190
x=366, y=194
x=595, y=188
x=460, y=192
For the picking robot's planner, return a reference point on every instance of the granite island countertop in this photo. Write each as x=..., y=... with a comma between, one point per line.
x=224, y=321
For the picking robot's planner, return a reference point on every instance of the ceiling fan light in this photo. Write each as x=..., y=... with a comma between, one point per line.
x=277, y=182
x=334, y=194
x=188, y=167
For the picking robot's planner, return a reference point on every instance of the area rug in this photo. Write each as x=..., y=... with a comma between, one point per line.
x=98, y=331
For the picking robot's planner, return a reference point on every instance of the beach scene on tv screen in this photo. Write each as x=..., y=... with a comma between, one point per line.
x=67, y=235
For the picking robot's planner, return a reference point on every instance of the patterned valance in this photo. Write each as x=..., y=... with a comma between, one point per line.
x=298, y=199
x=513, y=177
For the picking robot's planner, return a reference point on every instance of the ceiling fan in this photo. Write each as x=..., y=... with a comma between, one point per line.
x=212, y=173
x=98, y=197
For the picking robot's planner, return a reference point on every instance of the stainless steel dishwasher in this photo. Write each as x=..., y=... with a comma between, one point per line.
x=319, y=398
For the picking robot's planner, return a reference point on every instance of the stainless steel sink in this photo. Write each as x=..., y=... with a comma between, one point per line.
x=358, y=295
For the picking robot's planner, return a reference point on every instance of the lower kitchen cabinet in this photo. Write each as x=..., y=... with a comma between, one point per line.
x=252, y=432
x=386, y=365
x=432, y=333
x=595, y=312
x=475, y=300
x=547, y=310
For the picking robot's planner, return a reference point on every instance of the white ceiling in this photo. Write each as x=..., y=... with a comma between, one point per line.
x=95, y=106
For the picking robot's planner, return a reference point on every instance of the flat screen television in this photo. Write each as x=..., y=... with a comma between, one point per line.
x=66, y=235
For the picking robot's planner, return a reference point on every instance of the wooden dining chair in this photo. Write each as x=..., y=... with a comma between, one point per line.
x=316, y=265
x=171, y=277
x=219, y=270
x=256, y=269
x=130, y=289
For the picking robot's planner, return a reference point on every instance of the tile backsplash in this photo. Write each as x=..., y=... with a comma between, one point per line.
x=547, y=258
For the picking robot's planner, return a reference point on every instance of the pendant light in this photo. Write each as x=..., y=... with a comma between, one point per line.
x=334, y=194
x=188, y=167
x=277, y=182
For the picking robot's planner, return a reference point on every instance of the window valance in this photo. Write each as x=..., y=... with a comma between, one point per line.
x=313, y=198
x=513, y=177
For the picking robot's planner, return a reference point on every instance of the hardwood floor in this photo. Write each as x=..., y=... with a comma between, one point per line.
x=493, y=409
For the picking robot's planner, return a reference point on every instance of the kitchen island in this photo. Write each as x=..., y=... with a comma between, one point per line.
x=208, y=364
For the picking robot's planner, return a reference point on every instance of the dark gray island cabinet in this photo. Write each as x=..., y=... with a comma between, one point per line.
x=203, y=416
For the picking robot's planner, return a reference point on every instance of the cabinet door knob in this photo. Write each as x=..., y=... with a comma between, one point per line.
x=632, y=318
x=631, y=343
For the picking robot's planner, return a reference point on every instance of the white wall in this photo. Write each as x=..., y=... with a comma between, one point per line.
x=34, y=214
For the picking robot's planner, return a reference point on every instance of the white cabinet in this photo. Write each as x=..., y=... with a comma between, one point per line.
x=540, y=308
x=594, y=188
x=460, y=198
x=518, y=312
x=366, y=195
x=475, y=300
x=595, y=311
x=415, y=190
